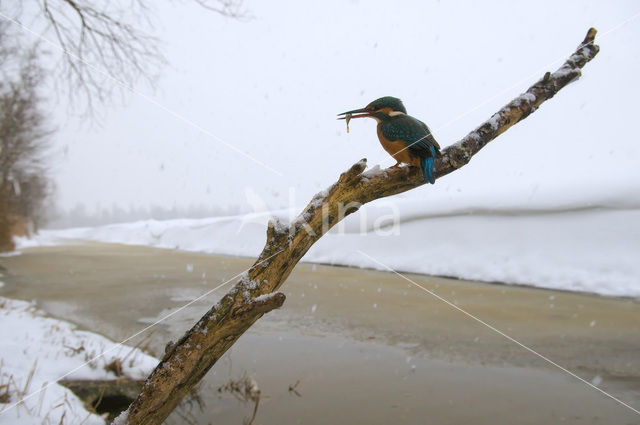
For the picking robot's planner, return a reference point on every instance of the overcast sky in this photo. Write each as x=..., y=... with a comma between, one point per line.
x=271, y=87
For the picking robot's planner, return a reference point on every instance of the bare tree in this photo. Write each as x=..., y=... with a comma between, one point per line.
x=23, y=136
x=256, y=293
x=104, y=49
x=104, y=46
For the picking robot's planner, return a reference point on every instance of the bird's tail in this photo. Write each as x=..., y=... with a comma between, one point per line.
x=427, y=166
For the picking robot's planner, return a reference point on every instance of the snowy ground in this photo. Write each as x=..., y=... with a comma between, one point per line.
x=37, y=351
x=586, y=245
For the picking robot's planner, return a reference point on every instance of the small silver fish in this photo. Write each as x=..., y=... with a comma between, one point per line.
x=347, y=118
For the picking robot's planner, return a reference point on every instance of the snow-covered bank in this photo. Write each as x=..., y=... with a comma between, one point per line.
x=587, y=248
x=38, y=350
x=584, y=250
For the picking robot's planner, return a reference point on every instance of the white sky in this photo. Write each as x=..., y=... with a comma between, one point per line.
x=272, y=87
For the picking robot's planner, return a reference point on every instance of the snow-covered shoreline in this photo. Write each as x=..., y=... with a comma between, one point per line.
x=585, y=248
x=37, y=351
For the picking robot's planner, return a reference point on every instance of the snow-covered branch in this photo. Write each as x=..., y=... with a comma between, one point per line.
x=187, y=361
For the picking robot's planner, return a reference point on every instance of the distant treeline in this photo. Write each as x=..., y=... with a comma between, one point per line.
x=81, y=216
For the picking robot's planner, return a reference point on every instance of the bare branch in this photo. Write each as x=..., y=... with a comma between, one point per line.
x=106, y=46
x=229, y=8
x=111, y=40
x=186, y=362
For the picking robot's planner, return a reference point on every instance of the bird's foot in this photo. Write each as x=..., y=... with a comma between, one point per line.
x=397, y=165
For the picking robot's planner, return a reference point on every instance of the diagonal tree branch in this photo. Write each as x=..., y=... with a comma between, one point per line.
x=187, y=361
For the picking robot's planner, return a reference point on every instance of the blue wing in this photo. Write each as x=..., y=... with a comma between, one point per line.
x=414, y=133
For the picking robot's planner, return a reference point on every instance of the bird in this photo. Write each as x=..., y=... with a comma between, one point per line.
x=407, y=139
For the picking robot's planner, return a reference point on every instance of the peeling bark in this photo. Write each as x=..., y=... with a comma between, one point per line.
x=187, y=361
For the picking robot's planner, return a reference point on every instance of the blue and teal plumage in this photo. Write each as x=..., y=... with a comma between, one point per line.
x=427, y=166
x=417, y=138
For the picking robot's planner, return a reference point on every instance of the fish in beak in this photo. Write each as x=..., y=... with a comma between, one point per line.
x=356, y=113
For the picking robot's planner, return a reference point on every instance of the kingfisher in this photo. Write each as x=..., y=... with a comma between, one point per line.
x=407, y=139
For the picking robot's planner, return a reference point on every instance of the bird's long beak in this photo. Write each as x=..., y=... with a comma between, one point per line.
x=363, y=113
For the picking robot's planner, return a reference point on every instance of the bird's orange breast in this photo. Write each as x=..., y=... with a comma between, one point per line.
x=398, y=150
